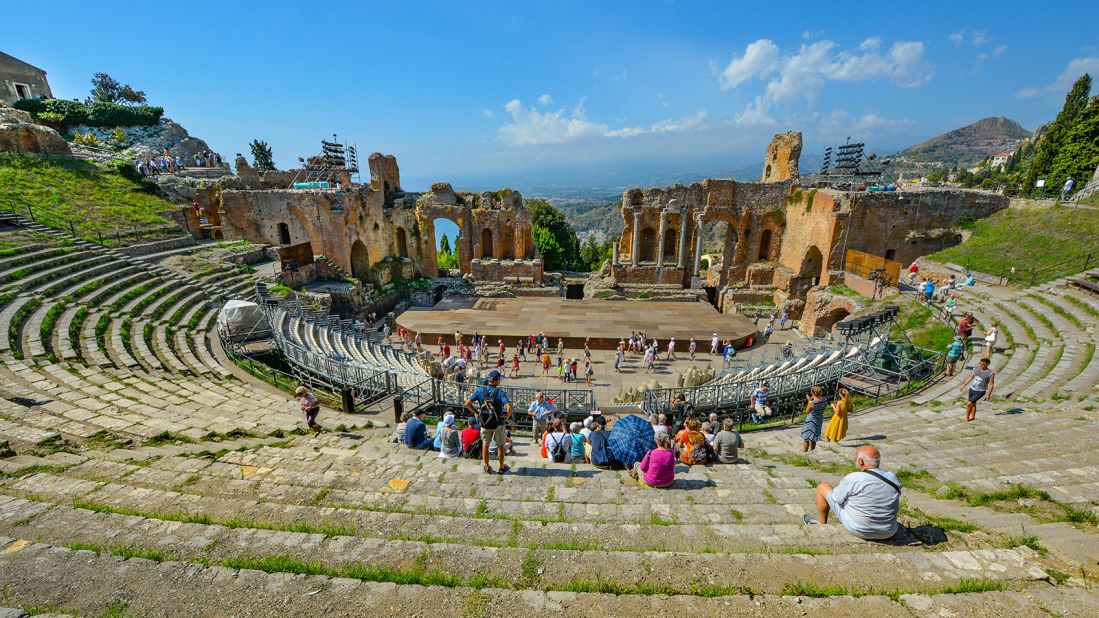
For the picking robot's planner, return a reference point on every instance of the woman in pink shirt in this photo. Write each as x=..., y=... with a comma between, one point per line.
x=658, y=465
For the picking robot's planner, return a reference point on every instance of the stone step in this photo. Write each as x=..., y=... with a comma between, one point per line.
x=763, y=572
x=40, y=574
x=7, y=315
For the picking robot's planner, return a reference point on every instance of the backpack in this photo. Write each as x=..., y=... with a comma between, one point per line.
x=474, y=451
x=488, y=415
x=557, y=450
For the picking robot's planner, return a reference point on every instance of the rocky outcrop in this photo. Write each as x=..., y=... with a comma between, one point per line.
x=151, y=141
x=781, y=161
x=19, y=134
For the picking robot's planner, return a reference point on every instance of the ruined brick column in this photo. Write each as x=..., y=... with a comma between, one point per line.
x=698, y=247
x=614, y=255
x=682, y=253
x=636, y=250
x=660, y=246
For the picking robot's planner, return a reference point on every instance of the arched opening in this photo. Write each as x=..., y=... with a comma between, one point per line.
x=448, y=243
x=765, y=246
x=284, y=234
x=507, y=242
x=360, y=261
x=824, y=325
x=891, y=254
x=811, y=265
x=440, y=291
x=767, y=171
x=402, y=242
x=647, y=252
x=486, y=243
x=671, y=238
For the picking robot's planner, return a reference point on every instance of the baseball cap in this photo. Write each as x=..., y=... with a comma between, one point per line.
x=448, y=420
x=495, y=375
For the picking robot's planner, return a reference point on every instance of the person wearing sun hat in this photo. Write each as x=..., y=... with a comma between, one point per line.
x=451, y=441
x=493, y=410
x=311, y=406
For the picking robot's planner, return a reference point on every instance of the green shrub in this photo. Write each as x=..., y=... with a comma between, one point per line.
x=65, y=112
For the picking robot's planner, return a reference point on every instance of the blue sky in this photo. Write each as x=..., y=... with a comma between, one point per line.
x=474, y=92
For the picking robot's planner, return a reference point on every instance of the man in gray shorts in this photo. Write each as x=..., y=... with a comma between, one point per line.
x=866, y=502
x=492, y=411
x=981, y=382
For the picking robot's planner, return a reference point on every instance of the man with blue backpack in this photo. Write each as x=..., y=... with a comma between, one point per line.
x=492, y=411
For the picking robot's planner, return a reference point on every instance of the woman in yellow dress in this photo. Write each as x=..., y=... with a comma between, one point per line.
x=837, y=425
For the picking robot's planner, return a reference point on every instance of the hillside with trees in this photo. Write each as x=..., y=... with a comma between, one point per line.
x=967, y=146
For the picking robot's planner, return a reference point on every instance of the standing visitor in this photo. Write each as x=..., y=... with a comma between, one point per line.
x=912, y=270
x=1069, y=184
x=990, y=338
x=692, y=347
x=729, y=354
x=782, y=320
x=954, y=353
x=540, y=411
x=514, y=365
x=588, y=372
x=671, y=350
x=713, y=344
x=546, y=365
x=814, y=418
x=767, y=333
x=311, y=406
x=837, y=425
x=981, y=382
x=760, y=409
x=493, y=411
x=929, y=290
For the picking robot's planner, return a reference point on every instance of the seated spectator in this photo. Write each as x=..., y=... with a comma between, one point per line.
x=558, y=443
x=415, y=433
x=865, y=502
x=658, y=427
x=708, y=432
x=712, y=425
x=691, y=444
x=509, y=446
x=471, y=434
x=658, y=465
x=398, y=435
x=450, y=440
x=578, y=442
x=601, y=456
x=437, y=444
x=726, y=443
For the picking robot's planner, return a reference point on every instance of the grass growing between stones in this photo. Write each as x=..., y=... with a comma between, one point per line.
x=1082, y=306
x=16, y=325
x=1050, y=236
x=1058, y=309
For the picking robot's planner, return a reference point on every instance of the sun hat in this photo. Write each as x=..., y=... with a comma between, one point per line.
x=448, y=420
x=301, y=390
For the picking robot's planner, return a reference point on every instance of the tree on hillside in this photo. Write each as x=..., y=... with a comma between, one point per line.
x=1075, y=103
x=1079, y=154
x=444, y=257
x=593, y=253
x=444, y=244
x=566, y=246
x=129, y=95
x=107, y=89
x=262, y=159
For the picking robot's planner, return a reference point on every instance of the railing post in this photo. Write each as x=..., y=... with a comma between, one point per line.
x=72, y=228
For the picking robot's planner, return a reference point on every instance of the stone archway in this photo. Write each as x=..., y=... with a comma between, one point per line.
x=507, y=243
x=486, y=243
x=647, y=251
x=360, y=261
x=825, y=323
x=812, y=265
x=402, y=242
x=671, y=237
x=764, y=246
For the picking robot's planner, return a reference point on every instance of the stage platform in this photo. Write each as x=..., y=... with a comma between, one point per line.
x=603, y=322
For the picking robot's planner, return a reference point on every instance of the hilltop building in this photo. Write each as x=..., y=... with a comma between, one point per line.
x=21, y=80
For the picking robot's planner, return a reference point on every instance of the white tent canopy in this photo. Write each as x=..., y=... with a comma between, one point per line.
x=241, y=320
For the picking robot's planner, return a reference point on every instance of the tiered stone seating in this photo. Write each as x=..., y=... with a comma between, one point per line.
x=257, y=520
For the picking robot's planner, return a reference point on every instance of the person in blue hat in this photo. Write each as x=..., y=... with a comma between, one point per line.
x=492, y=411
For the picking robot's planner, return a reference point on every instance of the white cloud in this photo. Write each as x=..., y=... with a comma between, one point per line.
x=529, y=127
x=980, y=37
x=760, y=58
x=545, y=99
x=663, y=100
x=981, y=57
x=488, y=113
x=677, y=125
x=957, y=37
x=839, y=124
x=873, y=42
x=999, y=51
x=1061, y=85
x=802, y=75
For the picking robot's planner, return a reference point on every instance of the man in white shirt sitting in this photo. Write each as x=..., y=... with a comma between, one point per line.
x=865, y=502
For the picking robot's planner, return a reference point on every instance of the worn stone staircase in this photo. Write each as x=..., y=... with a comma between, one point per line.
x=230, y=512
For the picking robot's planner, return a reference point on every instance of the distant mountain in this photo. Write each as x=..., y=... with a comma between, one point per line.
x=967, y=146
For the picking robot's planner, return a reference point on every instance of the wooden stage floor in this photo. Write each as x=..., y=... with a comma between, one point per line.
x=603, y=322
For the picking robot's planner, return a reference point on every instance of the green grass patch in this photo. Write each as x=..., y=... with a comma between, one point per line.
x=16, y=326
x=1028, y=239
x=149, y=300
x=131, y=294
x=95, y=197
x=1058, y=309
x=1082, y=306
x=168, y=437
x=49, y=321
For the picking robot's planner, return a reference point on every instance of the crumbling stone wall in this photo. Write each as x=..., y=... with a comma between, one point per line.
x=781, y=160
